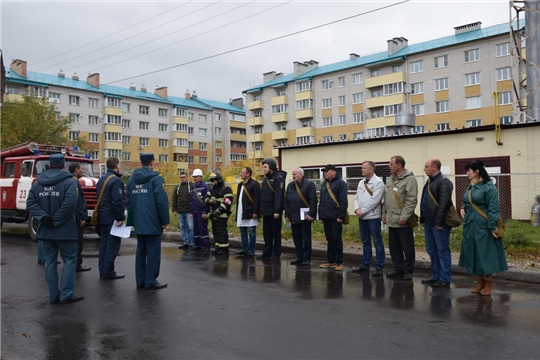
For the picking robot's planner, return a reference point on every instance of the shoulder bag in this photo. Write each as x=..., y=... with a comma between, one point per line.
x=412, y=222
x=452, y=218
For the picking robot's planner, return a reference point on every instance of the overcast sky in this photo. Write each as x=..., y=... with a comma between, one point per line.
x=111, y=37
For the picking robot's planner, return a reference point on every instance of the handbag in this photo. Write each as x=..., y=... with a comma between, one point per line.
x=452, y=218
x=346, y=219
x=500, y=223
x=94, y=220
x=412, y=222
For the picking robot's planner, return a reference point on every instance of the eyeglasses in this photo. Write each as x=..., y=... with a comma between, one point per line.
x=183, y=177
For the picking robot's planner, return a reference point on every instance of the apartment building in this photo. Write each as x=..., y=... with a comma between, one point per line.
x=123, y=122
x=452, y=82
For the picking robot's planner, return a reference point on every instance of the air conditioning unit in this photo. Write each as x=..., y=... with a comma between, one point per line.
x=81, y=115
x=141, y=147
x=100, y=116
x=80, y=96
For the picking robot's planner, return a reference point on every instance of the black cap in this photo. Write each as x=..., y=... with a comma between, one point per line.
x=329, y=167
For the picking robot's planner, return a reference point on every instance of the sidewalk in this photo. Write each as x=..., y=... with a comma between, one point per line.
x=353, y=257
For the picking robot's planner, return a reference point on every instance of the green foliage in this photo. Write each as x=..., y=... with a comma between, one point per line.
x=34, y=119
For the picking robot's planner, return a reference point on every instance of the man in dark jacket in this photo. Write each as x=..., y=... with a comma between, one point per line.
x=436, y=200
x=332, y=210
x=181, y=199
x=220, y=199
x=271, y=209
x=81, y=214
x=149, y=206
x=52, y=201
x=247, y=211
x=300, y=211
x=111, y=208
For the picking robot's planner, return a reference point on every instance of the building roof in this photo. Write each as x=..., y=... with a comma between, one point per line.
x=225, y=106
x=383, y=56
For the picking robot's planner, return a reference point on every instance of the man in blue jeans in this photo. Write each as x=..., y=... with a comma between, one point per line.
x=367, y=208
x=436, y=200
x=247, y=211
x=181, y=199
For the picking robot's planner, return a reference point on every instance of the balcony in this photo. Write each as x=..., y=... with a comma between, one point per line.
x=275, y=153
x=380, y=122
x=276, y=118
x=308, y=94
x=254, y=138
x=279, y=100
x=256, y=121
x=305, y=131
x=304, y=114
x=254, y=105
x=279, y=135
x=179, y=135
x=112, y=145
x=385, y=79
x=112, y=128
x=182, y=164
x=259, y=154
x=238, y=137
x=180, y=120
x=385, y=100
x=109, y=110
x=180, y=149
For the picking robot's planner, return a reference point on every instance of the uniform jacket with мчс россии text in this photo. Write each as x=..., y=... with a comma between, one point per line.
x=54, y=194
x=112, y=204
x=147, y=201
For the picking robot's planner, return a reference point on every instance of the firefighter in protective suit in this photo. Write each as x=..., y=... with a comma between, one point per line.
x=220, y=199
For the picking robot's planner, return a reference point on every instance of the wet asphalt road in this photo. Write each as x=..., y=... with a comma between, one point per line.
x=246, y=309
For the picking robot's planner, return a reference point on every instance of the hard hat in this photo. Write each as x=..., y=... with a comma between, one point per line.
x=197, y=172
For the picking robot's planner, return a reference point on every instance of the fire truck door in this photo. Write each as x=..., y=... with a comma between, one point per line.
x=24, y=184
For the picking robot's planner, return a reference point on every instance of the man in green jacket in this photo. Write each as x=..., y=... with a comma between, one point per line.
x=399, y=204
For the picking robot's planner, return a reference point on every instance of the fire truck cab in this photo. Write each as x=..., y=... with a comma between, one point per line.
x=22, y=164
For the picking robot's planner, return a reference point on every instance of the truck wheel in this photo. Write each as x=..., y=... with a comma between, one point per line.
x=32, y=227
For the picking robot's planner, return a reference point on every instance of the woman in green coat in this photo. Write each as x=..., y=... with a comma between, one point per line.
x=482, y=251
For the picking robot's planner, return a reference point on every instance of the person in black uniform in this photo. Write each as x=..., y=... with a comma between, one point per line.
x=220, y=199
x=81, y=214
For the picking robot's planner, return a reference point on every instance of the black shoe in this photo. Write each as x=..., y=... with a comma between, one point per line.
x=377, y=272
x=215, y=251
x=394, y=274
x=429, y=281
x=140, y=287
x=185, y=246
x=407, y=276
x=72, y=299
x=157, y=286
x=83, y=268
x=262, y=257
x=441, y=284
x=240, y=253
x=205, y=249
x=193, y=247
x=305, y=262
x=250, y=254
x=273, y=257
x=114, y=277
x=295, y=262
x=359, y=269
x=221, y=252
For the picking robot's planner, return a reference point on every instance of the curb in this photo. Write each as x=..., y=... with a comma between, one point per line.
x=353, y=257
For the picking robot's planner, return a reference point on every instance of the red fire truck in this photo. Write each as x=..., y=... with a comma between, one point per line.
x=21, y=165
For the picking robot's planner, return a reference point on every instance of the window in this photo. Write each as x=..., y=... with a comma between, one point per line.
x=257, y=113
x=474, y=123
x=418, y=109
x=217, y=131
x=163, y=112
x=472, y=79
x=93, y=120
x=503, y=74
x=126, y=156
x=74, y=100
x=202, y=160
x=376, y=93
x=505, y=120
x=505, y=98
x=359, y=135
x=417, y=66
x=126, y=107
x=342, y=119
x=258, y=146
x=38, y=91
x=202, y=146
x=341, y=100
x=218, y=158
x=442, y=106
x=358, y=118
x=419, y=129
x=144, y=110
x=282, y=143
x=307, y=123
x=190, y=144
x=163, y=127
x=327, y=84
x=341, y=81
x=190, y=160
x=190, y=116
x=58, y=115
x=376, y=114
x=114, y=102
x=257, y=129
x=375, y=72
x=503, y=49
x=358, y=98
x=342, y=137
x=144, y=141
x=144, y=125
x=301, y=140
x=393, y=88
x=163, y=143
x=327, y=122
x=238, y=157
x=391, y=110
x=73, y=135
x=281, y=92
x=305, y=104
x=473, y=102
x=396, y=68
x=15, y=90
x=182, y=142
x=357, y=79
x=441, y=61
x=113, y=119
x=472, y=55
x=94, y=155
x=218, y=145
x=93, y=103
x=303, y=86
x=113, y=152
x=112, y=136
x=74, y=118
x=180, y=127
x=327, y=138
x=417, y=88
x=190, y=131
x=442, y=126
x=327, y=103
x=53, y=97
x=257, y=97
x=126, y=124
x=375, y=132
x=217, y=117
x=279, y=109
x=281, y=126
x=126, y=140
x=441, y=84
x=93, y=137
x=202, y=118
x=181, y=112
x=202, y=132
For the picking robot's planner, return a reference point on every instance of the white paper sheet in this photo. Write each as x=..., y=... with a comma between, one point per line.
x=122, y=231
x=304, y=213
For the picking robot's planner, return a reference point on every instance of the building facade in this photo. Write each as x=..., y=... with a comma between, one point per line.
x=123, y=122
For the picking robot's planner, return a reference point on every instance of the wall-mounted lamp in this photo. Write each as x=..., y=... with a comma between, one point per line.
x=479, y=138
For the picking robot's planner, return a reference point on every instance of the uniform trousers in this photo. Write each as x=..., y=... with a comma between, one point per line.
x=147, y=260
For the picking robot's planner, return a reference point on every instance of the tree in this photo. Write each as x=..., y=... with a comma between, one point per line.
x=34, y=119
x=234, y=169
